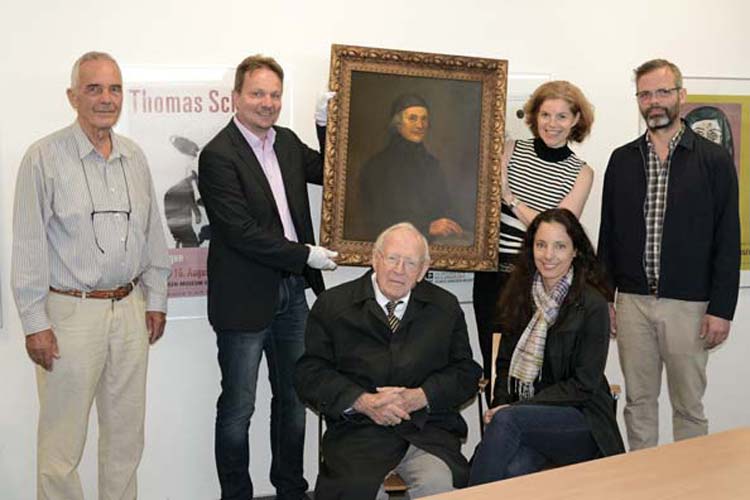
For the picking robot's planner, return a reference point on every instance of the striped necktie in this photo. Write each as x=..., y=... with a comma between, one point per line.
x=393, y=320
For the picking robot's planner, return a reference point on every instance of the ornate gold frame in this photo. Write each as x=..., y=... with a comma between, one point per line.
x=491, y=74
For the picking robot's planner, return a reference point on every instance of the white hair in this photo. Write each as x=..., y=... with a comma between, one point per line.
x=378, y=246
x=75, y=73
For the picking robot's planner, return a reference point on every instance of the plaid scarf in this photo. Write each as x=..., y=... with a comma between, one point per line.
x=526, y=363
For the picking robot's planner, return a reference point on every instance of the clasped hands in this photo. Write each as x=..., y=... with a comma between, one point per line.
x=390, y=405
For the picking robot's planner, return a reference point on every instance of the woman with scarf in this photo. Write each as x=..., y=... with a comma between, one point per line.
x=551, y=404
x=537, y=174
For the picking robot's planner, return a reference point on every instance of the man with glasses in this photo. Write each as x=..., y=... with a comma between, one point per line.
x=89, y=276
x=670, y=241
x=387, y=362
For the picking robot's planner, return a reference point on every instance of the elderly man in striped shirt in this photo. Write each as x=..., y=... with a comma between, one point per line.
x=90, y=269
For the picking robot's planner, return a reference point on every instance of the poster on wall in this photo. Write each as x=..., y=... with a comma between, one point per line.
x=719, y=110
x=171, y=121
x=171, y=113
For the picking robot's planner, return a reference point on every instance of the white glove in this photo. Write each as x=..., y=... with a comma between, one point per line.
x=321, y=109
x=320, y=258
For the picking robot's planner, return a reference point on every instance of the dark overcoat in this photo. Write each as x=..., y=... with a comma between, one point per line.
x=349, y=349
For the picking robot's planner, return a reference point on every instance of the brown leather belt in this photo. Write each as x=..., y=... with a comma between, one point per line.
x=115, y=294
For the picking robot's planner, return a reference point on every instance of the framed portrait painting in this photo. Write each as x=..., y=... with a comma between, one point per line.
x=414, y=137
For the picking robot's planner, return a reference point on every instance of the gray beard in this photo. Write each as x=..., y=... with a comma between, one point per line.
x=658, y=122
x=664, y=120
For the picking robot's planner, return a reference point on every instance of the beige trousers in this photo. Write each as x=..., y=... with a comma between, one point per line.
x=424, y=474
x=653, y=333
x=103, y=357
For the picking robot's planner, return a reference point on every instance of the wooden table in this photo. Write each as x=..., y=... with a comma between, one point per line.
x=715, y=467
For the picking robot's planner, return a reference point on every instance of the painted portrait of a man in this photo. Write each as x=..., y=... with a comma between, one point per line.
x=388, y=179
x=414, y=152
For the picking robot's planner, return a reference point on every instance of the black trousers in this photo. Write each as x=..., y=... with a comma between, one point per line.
x=485, y=295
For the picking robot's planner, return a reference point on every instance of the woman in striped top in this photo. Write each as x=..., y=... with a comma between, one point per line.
x=537, y=174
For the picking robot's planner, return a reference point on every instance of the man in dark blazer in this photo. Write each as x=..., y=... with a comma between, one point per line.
x=387, y=361
x=253, y=180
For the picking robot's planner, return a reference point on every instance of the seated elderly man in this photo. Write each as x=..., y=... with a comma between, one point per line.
x=387, y=361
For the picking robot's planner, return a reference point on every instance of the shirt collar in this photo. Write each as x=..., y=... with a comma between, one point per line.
x=673, y=141
x=253, y=140
x=382, y=300
x=85, y=147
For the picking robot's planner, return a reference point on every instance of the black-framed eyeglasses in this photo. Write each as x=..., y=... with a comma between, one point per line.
x=95, y=212
x=645, y=95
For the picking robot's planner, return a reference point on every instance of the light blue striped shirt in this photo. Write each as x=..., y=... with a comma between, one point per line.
x=56, y=239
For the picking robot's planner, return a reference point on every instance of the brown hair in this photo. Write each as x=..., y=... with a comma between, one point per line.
x=560, y=89
x=250, y=64
x=655, y=64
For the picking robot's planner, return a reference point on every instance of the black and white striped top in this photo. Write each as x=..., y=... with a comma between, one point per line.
x=540, y=177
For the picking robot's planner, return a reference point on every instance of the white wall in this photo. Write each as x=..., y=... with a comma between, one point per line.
x=594, y=43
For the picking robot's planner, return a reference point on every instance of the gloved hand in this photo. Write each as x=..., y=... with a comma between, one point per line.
x=321, y=108
x=321, y=258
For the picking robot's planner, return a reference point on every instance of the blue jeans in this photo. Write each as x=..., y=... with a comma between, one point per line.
x=522, y=439
x=239, y=358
